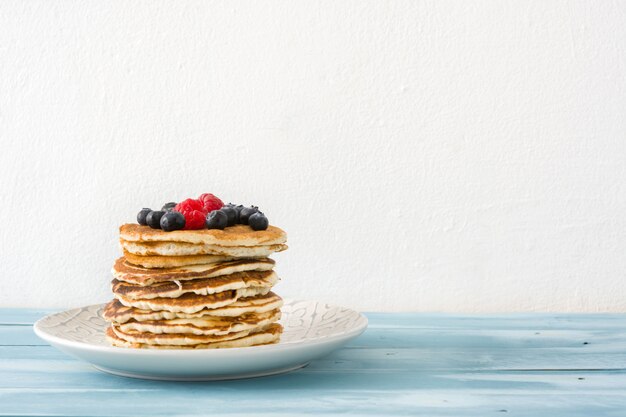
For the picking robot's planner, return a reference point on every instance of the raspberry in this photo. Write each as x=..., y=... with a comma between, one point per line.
x=210, y=202
x=194, y=212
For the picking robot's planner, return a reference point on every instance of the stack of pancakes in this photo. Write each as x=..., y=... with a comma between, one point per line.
x=195, y=288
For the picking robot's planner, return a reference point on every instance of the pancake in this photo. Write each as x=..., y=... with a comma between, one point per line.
x=237, y=235
x=203, y=325
x=167, y=248
x=175, y=339
x=149, y=261
x=269, y=335
x=124, y=271
x=202, y=286
x=192, y=303
x=117, y=312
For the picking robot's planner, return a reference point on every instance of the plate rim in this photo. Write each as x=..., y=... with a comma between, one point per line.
x=59, y=341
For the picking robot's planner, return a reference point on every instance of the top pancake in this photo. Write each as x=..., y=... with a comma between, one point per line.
x=237, y=235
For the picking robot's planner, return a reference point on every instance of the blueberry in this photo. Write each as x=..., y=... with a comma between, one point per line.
x=231, y=213
x=141, y=216
x=172, y=220
x=258, y=221
x=168, y=206
x=246, y=212
x=216, y=219
x=238, y=211
x=153, y=219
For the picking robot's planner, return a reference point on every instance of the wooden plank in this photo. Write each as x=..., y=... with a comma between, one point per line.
x=19, y=335
x=511, y=321
x=298, y=393
x=405, y=337
x=22, y=316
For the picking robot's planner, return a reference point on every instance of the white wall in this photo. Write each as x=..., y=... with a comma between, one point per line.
x=450, y=155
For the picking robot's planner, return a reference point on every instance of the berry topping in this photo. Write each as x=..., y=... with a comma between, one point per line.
x=172, y=220
x=258, y=221
x=141, y=216
x=231, y=214
x=216, y=219
x=194, y=213
x=207, y=211
x=210, y=202
x=246, y=212
x=153, y=219
x=168, y=206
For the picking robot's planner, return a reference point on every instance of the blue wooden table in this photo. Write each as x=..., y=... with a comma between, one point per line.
x=404, y=364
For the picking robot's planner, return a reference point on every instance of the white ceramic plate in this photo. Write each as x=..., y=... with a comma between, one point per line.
x=311, y=330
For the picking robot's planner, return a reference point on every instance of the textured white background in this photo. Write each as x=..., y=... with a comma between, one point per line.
x=447, y=155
